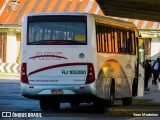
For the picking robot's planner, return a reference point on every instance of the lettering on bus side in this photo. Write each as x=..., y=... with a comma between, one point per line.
x=48, y=56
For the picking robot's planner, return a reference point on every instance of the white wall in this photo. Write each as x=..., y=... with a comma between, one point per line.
x=11, y=47
x=155, y=48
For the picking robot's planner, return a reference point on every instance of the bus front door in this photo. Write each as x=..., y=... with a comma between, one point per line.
x=140, y=67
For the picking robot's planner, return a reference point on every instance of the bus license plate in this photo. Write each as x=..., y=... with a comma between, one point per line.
x=56, y=92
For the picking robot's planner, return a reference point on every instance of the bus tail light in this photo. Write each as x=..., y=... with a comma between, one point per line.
x=91, y=74
x=24, y=77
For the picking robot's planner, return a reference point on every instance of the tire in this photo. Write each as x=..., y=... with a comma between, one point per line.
x=44, y=104
x=127, y=101
x=55, y=105
x=75, y=104
x=110, y=102
x=134, y=87
x=99, y=105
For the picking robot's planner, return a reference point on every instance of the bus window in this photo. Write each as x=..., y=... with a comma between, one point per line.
x=115, y=40
x=106, y=39
x=98, y=35
x=128, y=42
x=112, y=40
x=133, y=42
x=57, y=33
x=124, y=40
x=119, y=40
x=109, y=39
x=103, y=39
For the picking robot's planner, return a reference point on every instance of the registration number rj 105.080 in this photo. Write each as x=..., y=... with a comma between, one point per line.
x=74, y=72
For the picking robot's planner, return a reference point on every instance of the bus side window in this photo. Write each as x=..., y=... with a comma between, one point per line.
x=98, y=38
x=128, y=42
x=125, y=41
x=112, y=40
x=119, y=39
x=103, y=39
x=133, y=42
x=122, y=49
x=116, y=40
x=109, y=39
x=106, y=39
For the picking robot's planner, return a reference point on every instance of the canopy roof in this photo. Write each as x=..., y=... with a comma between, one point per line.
x=12, y=11
x=136, y=9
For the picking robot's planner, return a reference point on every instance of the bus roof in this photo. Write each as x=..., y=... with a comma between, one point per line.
x=101, y=19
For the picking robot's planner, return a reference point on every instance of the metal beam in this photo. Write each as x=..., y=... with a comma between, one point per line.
x=135, y=9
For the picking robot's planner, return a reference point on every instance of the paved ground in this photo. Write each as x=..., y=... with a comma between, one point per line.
x=148, y=105
x=10, y=76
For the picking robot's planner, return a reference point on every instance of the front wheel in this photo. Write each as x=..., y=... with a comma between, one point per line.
x=75, y=104
x=127, y=101
x=44, y=104
x=99, y=105
x=55, y=105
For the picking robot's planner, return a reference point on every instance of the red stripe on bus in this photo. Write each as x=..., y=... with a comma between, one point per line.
x=47, y=56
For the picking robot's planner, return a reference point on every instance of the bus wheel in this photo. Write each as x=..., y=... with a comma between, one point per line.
x=75, y=104
x=134, y=87
x=44, y=104
x=127, y=101
x=110, y=102
x=55, y=105
x=99, y=105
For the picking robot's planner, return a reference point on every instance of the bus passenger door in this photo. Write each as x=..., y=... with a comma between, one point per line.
x=140, y=66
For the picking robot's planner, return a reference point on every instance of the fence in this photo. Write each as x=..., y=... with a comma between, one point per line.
x=9, y=68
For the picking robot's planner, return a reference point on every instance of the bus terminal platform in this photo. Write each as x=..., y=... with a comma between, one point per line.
x=148, y=103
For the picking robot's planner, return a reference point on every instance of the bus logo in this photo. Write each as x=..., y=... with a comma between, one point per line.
x=48, y=56
x=81, y=55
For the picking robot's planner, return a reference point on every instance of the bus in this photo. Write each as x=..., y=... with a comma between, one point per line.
x=78, y=58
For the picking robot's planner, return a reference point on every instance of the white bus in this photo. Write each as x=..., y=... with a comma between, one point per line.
x=76, y=58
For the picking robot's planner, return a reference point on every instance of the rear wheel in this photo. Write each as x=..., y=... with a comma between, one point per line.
x=134, y=87
x=110, y=102
x=44, y=104
x=127, y=101
x=75, y=104
x=99, y=105
x=55, y=105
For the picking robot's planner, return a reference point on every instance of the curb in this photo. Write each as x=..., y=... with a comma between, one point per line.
x=9, y=76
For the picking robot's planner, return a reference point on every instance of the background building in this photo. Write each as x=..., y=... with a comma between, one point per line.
x=12, y=11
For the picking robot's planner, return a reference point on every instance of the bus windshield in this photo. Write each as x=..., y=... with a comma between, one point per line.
x=57, y=33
